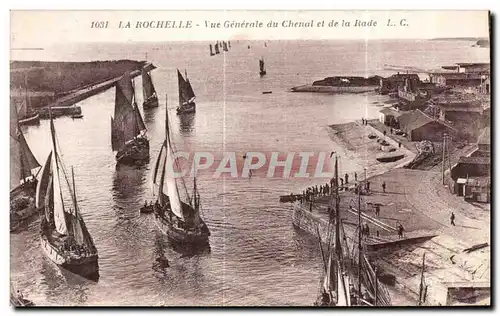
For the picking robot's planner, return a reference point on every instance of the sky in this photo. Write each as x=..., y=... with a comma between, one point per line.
x=38, y=29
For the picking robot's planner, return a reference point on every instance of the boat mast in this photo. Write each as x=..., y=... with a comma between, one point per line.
x=28, y=99
x=74, y=192
x=359, y=241
x=337, y=223
x=421, y=297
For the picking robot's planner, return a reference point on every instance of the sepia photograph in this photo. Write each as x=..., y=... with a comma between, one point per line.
x=250, y=158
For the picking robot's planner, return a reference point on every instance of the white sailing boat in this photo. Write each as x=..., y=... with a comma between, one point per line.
x=179, y=220
x=64, y=237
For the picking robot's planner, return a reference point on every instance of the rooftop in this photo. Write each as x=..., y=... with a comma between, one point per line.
x=485, y=137
x=475, y=160
x=390, y=111
x=417, y=118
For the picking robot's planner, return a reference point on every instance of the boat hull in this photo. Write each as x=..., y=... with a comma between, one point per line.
x=189, y=108
x=135, y=151
x=86, y=266
x=181, y=236
x=150, y=103
x=32, y=120
x=389, y=157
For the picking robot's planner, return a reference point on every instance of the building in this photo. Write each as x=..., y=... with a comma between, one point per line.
x=483, y=144
x=420, y=126
x=471, y=176
x=454, y=79
x=391, y=84
x=481, y=68
x=388, y=116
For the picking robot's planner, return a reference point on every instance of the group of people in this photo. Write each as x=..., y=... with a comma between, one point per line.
x=78, y=249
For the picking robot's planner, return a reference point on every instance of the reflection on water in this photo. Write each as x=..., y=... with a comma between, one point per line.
x=187, y=123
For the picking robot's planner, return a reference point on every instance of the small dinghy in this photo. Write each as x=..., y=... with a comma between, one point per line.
x=267, y=92
x=389, y=157
x=147, y=208
x=372, y=136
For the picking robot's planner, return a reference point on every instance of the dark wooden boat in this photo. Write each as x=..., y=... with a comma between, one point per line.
x=128, y=131
x=23, y=181
x=290, y=198
x=390, y=157
x=179, y=220
x=262, y=67
x=267, y=92
x=146, y=209
x=187, y=97
x=64, y=237
x=148, y=91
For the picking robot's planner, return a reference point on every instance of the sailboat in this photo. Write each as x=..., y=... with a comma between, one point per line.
x=211, y=51
x=148, y=91
x=229, y=44
x=128, y=131
x=179, y=220
x=27, y=116
x=262, y=67
x=224, y=46
x=217, y=48
x=186, y=95
x=64, y=237
x=335, y=287
x=22, y=179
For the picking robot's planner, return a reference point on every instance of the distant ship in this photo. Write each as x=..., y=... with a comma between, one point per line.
x=179, y=220
x=229, y=44
x=186, y=95
x=22, y=181
x=64, y=237
x=217, y=48
x=224, y=46
x=148, y=91
x=128, y=131
x=211, y=50
x=262, y=67
x=26, y=114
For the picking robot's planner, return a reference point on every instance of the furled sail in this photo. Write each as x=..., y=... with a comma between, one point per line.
x=43, y=184
x=148, y=88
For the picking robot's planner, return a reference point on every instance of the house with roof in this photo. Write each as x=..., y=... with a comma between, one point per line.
x=471, y=176
x=388, y=116
x=419, y=126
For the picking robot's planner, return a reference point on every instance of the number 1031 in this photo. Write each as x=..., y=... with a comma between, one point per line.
x=99, y=24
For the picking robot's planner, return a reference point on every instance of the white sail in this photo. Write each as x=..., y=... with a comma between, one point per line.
x=41, y=188
x=172, y=191
x=343, y=297
x=59, y=218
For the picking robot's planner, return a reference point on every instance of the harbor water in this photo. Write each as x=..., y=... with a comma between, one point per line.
x=256, y=256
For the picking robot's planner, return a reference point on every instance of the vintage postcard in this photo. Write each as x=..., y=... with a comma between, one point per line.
x=250, y=158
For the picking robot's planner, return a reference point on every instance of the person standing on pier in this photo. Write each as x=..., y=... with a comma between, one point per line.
x=346, y=178
x=367, y=186
x=362, y=121
x=383, y=186
x=385, y=133
x=355, y=176
x=400, y=230
x=341, y=183
x=399, y=144
x=452, y=218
